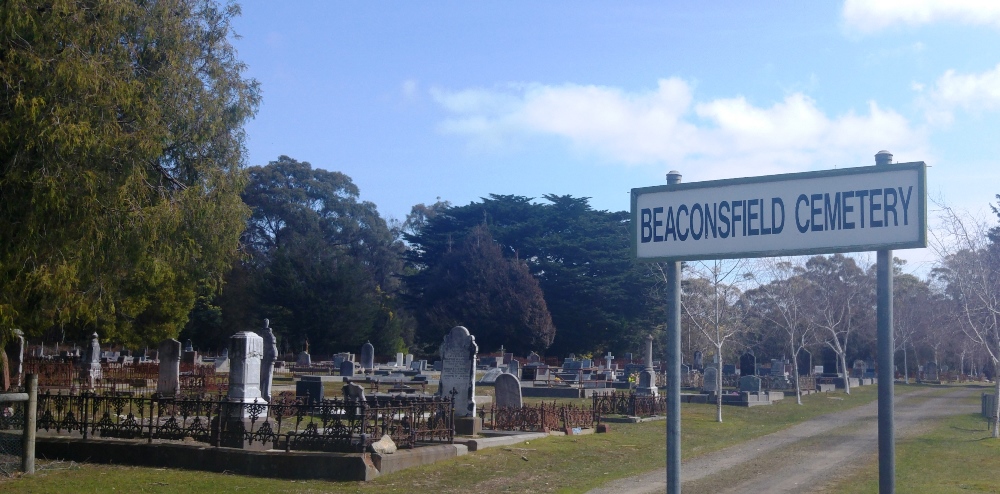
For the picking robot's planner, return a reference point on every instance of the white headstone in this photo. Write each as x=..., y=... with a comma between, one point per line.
x=367, y=356
x=458, y=370
x=491, y=375
x=245, y=352
x=399, y=359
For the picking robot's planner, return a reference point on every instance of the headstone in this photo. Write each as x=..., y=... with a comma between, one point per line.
x=750, y=383
x=609, y=361
x=647, y=383
x=367, y=356
x=534, y=358
x=508, y=391
x=418, y=365
x=804, y=362
x=347, y=368
x=267, y=362
x=188, y=347
x=399, y=359
x=15, y=357
x=748, y=364
x=408, y=360
x=514, y=368
x=729, y=370
x=699, y=360
x=829, y=361
x=458, y=370
x=304, y=359
x=491, y=375
x=710, y=386
x=310, y=388
x=777, y=368
x=90, y=370
x=246, y=349
x=169, y=382
x=438, y=365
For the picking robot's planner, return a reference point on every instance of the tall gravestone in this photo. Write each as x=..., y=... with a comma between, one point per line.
x=267, y=361
x=508, y=391
x=368, y=357
x=647, y=377
x=246, y=349
x=458, y=377
x=514, y=368
x=347, y=368
x=15, y=358
x=168, y=384
x=748, y=364
x=90, y=366
x=804, y=363
x=699, y=360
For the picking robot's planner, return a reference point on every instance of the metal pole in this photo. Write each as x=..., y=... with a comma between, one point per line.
x=673, y=344
x=30, y=413
x=886, y=432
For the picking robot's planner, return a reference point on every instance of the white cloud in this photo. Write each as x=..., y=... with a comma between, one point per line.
x=971, y=92
x=720, y=138
x=868, y=16
x=410, y=88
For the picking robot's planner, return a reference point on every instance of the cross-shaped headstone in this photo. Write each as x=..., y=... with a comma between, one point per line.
x=608, y=358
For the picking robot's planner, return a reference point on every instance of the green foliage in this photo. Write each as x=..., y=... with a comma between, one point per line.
x=321, y=264
x=121, y=146
x=594, y=290
x=496, y=297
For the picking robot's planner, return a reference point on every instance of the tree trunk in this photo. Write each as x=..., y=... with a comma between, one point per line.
x=718, y=388
x=847, y=375
x=906, y=368
x=996, y=405
x=795, y=373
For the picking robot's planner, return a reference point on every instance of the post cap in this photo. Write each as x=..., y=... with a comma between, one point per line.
x=883, y=157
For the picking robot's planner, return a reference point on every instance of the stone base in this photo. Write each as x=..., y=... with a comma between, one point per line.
x=468, y=426
x=650, y=391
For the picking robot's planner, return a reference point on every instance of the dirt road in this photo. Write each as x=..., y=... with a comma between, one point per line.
x=805, y=457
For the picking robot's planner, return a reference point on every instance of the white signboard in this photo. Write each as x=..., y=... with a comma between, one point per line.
x=845, y=210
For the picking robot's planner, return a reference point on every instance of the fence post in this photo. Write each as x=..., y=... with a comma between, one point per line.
x=30, y=423
x=152, y=407
x=86, y=409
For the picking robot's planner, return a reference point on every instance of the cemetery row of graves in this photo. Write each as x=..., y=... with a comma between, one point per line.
x=246, y=398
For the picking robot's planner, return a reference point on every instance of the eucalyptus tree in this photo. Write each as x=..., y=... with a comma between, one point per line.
x=969, y=268
x=121, y=154
x=840, y=299
x=780, y=299
x=712, y=301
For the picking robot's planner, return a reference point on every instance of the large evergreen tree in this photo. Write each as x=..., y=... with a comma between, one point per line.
x=597, y=294
x=121, y=147
x=321, y=264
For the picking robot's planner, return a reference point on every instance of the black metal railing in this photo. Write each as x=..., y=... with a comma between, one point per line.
x=628, y=403
x=286, y=423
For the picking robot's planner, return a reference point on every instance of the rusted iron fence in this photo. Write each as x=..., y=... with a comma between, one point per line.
x=628, y=403
x=287, y=423
x=137, y=379
x=538, y=418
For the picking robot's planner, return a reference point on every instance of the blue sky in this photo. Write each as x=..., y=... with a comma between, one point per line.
x=456, y=100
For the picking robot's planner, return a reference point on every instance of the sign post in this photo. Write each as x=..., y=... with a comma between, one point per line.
x=878, y=208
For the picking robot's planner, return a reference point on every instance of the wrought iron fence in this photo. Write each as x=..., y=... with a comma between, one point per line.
x=538, y=418
x=630, y=404
x=139, y=378
x=287, y=423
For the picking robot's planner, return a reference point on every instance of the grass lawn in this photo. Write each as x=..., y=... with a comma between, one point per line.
x=554, y=464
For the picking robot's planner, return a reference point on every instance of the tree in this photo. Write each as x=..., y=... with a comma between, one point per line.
x=969, y=268
x=595, y=291
x=496, y=297
x=712, y=301
x=121, y=146
x=781, y=303
x=320, y=264
x=840, y=296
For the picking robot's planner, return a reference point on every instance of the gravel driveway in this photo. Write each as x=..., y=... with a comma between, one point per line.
x=804, y=457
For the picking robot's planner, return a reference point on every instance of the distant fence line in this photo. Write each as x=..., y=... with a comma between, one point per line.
x=138, y=378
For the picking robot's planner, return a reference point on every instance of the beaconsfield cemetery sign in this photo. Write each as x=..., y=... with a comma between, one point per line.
x=844, y=210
